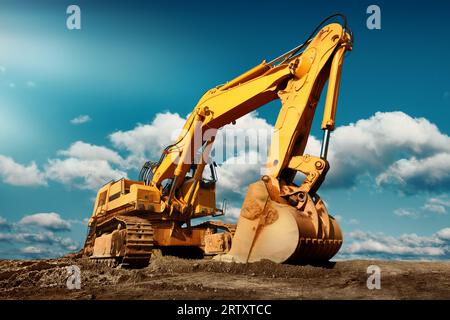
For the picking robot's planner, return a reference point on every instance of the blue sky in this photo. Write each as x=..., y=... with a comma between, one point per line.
x=133, y=60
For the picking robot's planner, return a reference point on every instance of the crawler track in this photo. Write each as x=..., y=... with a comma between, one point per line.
x=132, y=245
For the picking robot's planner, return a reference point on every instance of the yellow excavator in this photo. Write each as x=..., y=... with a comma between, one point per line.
x=279, y=220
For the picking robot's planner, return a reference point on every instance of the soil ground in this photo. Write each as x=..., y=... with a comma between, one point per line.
x=175, y=278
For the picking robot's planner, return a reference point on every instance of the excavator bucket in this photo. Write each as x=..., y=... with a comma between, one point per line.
x=280, y=232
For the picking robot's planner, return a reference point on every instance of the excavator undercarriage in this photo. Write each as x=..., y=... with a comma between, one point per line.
x=279, y=220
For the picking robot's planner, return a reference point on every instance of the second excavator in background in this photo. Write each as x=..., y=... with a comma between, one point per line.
x=279, y=220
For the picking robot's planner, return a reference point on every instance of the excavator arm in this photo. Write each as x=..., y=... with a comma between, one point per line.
x=297, y=81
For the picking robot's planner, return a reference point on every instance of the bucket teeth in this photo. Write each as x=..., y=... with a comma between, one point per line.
x=315, y=250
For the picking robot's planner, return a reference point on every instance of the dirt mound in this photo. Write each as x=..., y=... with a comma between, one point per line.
x=175, y=278
x=262, y=268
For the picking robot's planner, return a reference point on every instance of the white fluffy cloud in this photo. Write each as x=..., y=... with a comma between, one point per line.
x=437, y=205
x=444, y=234
x=86, y=151
x=17, y=174
x=35, y=236
x=434, y=205
x=369, y=146
x=360, y=244
x=235, y=176
x=84, y=165
x=374, y=147
x=233, y=212
x=51, y=221
x=87, y=166
x=248, y=140
x=412, y=175
x=32, y=250
x=83, y=174
x=241, y=152
x=20, y=243
x=393, y=147
x=146, y=141
x=402, y=212
x=239, y=157
x=80, y=119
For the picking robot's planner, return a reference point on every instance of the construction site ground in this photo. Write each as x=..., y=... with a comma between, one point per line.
x=175, y=278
